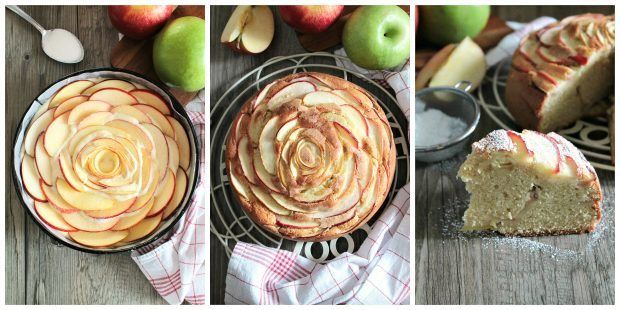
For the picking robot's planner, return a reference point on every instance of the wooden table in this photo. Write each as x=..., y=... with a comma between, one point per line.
x=37, y=271
x=451, y=269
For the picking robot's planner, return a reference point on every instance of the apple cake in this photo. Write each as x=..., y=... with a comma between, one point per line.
x=311, y=157
x=562, y=73
x=530, y=184
x=105, y=161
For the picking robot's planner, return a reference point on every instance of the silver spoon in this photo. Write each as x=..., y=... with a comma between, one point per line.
x=59, y=44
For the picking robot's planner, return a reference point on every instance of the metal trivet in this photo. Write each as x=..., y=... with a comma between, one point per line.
x=229, y=223
x=590, y=135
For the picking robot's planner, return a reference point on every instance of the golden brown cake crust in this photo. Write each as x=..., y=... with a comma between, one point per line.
x=260, y=109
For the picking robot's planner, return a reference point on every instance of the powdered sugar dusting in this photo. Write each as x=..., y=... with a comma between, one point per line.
x=495, y=141
x=567, y=149
x=572, y=251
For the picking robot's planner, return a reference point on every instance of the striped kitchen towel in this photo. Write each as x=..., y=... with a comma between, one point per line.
x=175, y=264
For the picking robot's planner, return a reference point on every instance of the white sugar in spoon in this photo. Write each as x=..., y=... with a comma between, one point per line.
x=59, y=44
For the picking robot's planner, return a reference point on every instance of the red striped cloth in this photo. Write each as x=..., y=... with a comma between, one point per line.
x=378, y=273
x=175, y=264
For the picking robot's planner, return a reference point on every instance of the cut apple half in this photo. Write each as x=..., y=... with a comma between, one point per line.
x=98, y=239
x=250, y=29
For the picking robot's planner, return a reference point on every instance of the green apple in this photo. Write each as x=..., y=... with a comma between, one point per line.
x=179, y=53
x=445, y=24
x=377, y=36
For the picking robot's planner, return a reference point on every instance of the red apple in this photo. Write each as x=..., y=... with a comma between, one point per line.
x=310, y=18
x=139, y=21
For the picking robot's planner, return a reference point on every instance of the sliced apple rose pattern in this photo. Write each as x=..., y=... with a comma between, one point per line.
x=105, y=162
x=311, y=157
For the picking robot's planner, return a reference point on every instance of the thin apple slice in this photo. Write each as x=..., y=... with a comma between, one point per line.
x=286, y=129
x=137, y=132
x=70, y=177
x=112, y=83
x=152, y=99
x=131, y=111
x=545, y=152
x=358, y=121
x=262, y=94
x=240, y=187
x=70, y=90
x=51, y=217
x=266, y=144
x=161, y=149
x=30, y=179
x=82, y=200
x=98, y=239
x=119, y=208
x=323, y=98
x=95, y=119
x=243, y=149
x=289, y=222
x=57, y=134
x=290, y=92
x=143, y=228
x=263, y=175
x=180, y=186
x=43, y=161
x=84, y=222
x=55, y=200
x=69, y=104
x=173, y=154
x=268, y=201
x=163, y=194
x=157, y=118
x=113, y=96
x=130, y=219
x=180, y=137
x=36, y=128
x=85, y=109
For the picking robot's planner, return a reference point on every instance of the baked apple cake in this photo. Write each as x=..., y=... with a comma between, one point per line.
x=530, y=184
x=105, y=161
x=311, y=156
x=562, y=73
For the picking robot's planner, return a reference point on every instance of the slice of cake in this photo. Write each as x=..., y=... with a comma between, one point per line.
x=530, y=184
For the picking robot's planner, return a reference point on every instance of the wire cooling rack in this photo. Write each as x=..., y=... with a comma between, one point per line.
x=590, y=135
x=229, y=223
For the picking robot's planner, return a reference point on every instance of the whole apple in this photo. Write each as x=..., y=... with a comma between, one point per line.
x=310, y=18
x=445, y=24
x=179, y=53
x=139, y=21
x=377, y=37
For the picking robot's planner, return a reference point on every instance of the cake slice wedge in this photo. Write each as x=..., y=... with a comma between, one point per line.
x=530, y=184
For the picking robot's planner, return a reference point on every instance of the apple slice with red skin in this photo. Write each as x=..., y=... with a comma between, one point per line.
x=70, y=177
x=82, y=200
x=286, y=129
x=30, y=179
x=346, y=135
x=43, y=161
x=268, y=201
x=262, y=94
x=57, y=134
x=157, y=118
x=173, y=154
x=180, y=186
x=51, y=217
x=69, y=104
x=163, y=194
x=132, y=218
x=95, y=119
x=356, y=117
x=264, y=176
x=143, y=228
x=287, y=222
x=84, y=222
x=85, y=109
x=182, y=142
x=54, y=199
x=37, y=127
x=161, y=148
x=98, y=239
x=323, y=97
x=135, y=131
x=151, y=98
x=266, y=145
x=119, y=208
x=245, y=158
x=131, y=111
x=290, y=92
x=112, y=83
x=70, y=90
x=113, y=96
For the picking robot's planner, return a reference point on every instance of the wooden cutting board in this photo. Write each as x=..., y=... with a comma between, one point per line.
x=333, y=35
x=137, y=55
